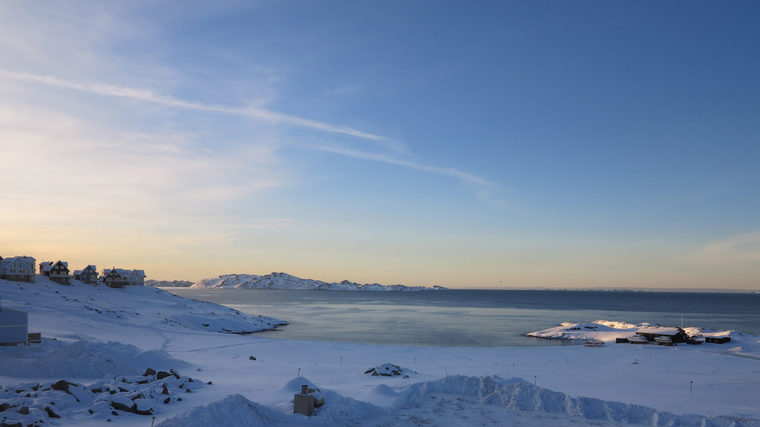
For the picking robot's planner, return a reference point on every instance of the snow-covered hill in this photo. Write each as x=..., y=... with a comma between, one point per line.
x=86, y=307
x=287, y=281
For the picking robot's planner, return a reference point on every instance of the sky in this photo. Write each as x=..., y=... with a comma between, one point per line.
x=485, y=145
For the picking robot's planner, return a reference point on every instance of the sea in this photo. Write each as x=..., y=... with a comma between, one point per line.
x=475, y=318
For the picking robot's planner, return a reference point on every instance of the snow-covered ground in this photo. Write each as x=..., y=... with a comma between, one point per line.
x=287, y=281
x=253, y=379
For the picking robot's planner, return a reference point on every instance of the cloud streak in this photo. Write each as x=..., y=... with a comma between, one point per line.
x=148, y=96
x=263, y=115
x=465, y=177
x=734, y=249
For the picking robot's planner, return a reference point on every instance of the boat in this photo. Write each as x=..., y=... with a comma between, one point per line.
x=663, y=340
x=638, y=339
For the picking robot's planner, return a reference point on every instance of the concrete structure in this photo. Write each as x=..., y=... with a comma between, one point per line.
x=19, y=268
x=14, y=326
x=88, y=274
x=308, y=399
x=57, y=271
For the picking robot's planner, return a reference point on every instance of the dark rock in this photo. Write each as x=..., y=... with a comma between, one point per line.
x=162, y=374
x=122, y=407
x=52, y=413
x=187, y=390
x=209, y=383
x=148, y=412
x=4, y=406
x=61, y=385
x=5, y=424
x=167, y=400
x=149, y=372
x=24, y=410
x=251, y=358
x=164, y=390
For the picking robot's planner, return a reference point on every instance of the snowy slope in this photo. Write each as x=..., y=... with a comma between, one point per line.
x=286, y=281
x=100, y=307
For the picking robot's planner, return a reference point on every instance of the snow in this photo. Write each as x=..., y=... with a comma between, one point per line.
x=286, y=281
x=99, y=340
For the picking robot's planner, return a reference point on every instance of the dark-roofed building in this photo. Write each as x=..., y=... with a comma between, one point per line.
x=676, y=335
x=57, y=271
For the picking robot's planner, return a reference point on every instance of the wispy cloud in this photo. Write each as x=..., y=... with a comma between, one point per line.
x=149, y=96
x=463, y=176
x=264, y=115
x=740, y=248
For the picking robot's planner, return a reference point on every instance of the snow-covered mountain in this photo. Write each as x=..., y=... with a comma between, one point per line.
x=169, y=283
x=287, y=281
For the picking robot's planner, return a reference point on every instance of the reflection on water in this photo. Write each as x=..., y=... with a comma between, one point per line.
x=465, y=318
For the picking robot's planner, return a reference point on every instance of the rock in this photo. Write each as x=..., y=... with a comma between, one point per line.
x=4, y=406
x=61, y=385
x=149, y=372
x=251, y=358
x=24, y=410
x=52, y=413
x=162, y=374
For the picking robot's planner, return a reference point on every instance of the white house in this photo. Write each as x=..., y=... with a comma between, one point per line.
x=19, y=268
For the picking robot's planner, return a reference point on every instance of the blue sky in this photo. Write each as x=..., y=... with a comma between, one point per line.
x=489, y=144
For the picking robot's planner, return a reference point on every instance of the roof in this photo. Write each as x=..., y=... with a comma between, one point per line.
x=659, y=330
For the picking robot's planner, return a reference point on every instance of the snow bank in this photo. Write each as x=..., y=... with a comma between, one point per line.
x=286, y=281
x=81, y=359
x=454, y=400
x=520, y=395
x=236, y=410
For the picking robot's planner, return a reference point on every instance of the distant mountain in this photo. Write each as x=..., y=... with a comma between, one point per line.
x=286, y=281
x=169, y=284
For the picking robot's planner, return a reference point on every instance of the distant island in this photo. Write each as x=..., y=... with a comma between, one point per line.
x=282, y=281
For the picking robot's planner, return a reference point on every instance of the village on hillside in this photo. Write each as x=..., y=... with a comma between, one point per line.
x=23, y=269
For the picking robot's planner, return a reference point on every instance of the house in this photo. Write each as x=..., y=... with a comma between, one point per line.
x=651, y=333
x=119, y=277
x=19, y=268
x=88, y=274
x=57, y=271
x=14, y=326
x=114, y=277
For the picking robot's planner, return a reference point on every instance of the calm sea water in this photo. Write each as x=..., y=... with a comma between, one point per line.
x=474, y=318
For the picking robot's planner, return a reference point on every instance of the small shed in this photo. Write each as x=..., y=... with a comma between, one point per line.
x=676, y=335
x=14, y=326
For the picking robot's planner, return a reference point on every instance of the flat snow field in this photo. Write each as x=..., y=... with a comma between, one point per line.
x=102, y=340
